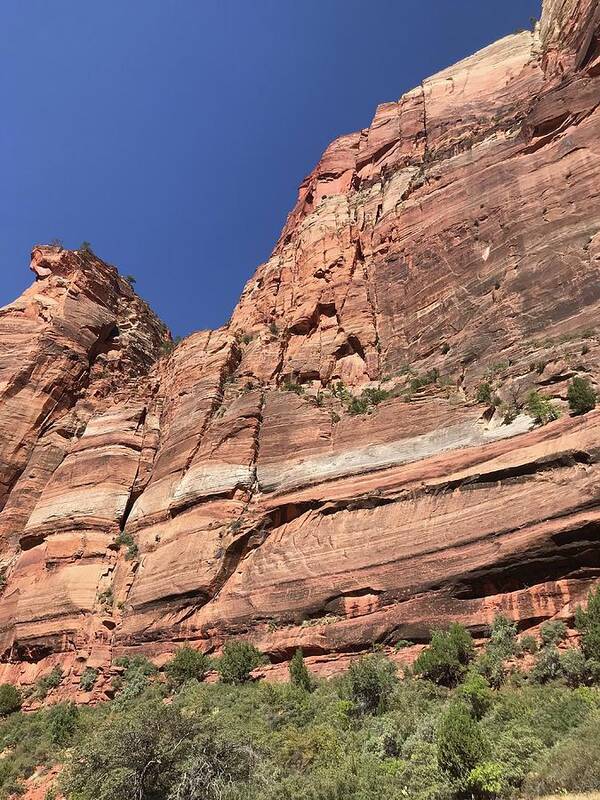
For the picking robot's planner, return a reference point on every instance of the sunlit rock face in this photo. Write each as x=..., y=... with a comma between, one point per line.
x=151, y=495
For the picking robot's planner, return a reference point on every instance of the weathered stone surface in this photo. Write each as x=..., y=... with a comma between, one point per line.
x=224, y=489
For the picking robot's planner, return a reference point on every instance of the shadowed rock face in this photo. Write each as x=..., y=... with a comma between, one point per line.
x=224, y=489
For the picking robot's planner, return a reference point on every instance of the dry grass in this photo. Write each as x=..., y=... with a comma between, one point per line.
x=589, y=796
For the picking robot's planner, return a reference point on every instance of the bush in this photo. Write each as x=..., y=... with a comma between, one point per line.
x=62, y=722
x=10, y=699
x=572, y=765
x=503, y=636
x=446, y=659
x=50, y=681
x=487, y=780
x=88, y=679
x=136, y=754
x=237, y=662
x=553, y=632
x=299, y=674
x=547, y=666
x=477, y=694
x=460, y=744
x=370, y=681
x=187, y=664
x=581, y=396
x=484, y=393
x=541, y=409
x=491, y=665
x=588, y=623
x=574, y=667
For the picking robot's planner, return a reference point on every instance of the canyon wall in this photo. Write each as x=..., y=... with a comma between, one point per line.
x=225, y=487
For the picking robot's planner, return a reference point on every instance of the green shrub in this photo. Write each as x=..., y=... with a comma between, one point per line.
x=541, y=409
x=136, y=754
x=370, y=681
x=137, y=675
x=572, y=765
x=503, y=636
x=460, y=743
x=581, y=396
x=62, y=722
x=484, y=393
x=490, y=664
x=50, y=681
x=446, y=659
x=292, y=386
x=10, y=699
x=477, y=694
x=588, y=623
x=487, y=780
x=299, y=674
x=553, y=632
x=88, y=679
x=528, y=644
x=237, y=662
x=547, y=665
x=187, y=664
x=574, y=667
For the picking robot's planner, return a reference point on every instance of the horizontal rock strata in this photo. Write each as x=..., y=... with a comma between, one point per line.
x=152, y=494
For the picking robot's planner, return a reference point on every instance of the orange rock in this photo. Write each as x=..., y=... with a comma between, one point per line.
x=225, y=489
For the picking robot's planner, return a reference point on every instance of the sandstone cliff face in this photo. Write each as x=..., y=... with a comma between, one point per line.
x=224, y=489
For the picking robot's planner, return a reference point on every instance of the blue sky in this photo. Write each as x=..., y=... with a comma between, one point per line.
x=173, y=134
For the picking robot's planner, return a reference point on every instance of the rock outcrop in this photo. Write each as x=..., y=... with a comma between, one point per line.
x=319, y=472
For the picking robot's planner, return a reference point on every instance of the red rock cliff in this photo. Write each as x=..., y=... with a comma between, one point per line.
x=146, y=501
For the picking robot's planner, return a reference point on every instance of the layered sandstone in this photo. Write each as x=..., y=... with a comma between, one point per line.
x=149, y=498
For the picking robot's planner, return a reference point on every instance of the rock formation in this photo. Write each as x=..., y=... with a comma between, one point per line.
x=152, y=495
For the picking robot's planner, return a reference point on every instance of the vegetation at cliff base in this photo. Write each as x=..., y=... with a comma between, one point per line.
x=516, y=718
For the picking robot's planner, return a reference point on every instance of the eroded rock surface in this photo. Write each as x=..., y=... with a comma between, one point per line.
x=224, y=489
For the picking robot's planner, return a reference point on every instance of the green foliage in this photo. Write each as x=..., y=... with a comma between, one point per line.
x=50, y=681
x=370, y=681
x=125, y=539
x=588, y=623
x=572, y=765
x=574, y=667
x=237, y=662
x=88, y=679
x=503, y=636
x=130, y=280
x=85, y=249
x=424, y=379
x=528, y=644
x=581, y=396
x=541, y=409
x=299, y=674
x=477, y=694
x=547, y=665
x=138, y=754
x=186, y=665
x=487, y=780
x=268, y=741
x=484, y=393
x=460, y=743
x=291, y=386
x=553, y=632
x=10, y=699
x=446, y=659
x=137, y=675
x=62, y=722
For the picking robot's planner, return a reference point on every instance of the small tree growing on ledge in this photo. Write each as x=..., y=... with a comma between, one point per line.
x=10, y=699
x=581, y=396
x=238, y=661
x=299, y=674
x=85, y=249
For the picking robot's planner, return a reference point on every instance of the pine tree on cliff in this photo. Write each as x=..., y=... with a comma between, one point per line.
x=299, y=674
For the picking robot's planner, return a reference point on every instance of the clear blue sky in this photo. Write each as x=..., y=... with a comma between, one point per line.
x=173, y=135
